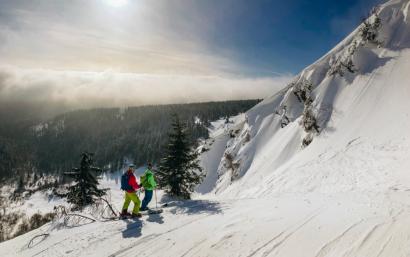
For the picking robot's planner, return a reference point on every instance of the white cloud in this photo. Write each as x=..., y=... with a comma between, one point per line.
x=90, y=36
x=86, y=54
x=76, y=89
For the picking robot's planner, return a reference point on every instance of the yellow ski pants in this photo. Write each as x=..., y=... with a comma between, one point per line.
x=132, y=197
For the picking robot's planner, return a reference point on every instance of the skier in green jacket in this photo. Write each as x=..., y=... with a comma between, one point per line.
x=149, y=184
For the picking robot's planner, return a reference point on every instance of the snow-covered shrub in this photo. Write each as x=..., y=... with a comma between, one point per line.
x=19, y=223
x=247, y=137
x=369, y=29
x=38, y=220
x=31, y=183
x=309, y=121
x=231, y=165
x=349, y=65
x=335, y=68
x=302, y=90
x=204, y=149
x=234, y=133
x=368, y=33
x=284, y=120
x=8, y=221
x=23, y=228
x=307, y=140
x=340, y=66
x=229, y=160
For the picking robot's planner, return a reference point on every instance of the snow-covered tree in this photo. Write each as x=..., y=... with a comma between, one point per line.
x=284, y=120
x=85, y=188
x=309, y=120
x=349, y=65
x=341, y=66
x=179, y=171
x=307, y=140
x=302, y=90
x=369, y=29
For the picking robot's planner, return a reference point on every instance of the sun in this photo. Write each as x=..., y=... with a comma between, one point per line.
x=116, y=3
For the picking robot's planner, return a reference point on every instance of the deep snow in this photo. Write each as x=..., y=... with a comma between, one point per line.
x=346, y=194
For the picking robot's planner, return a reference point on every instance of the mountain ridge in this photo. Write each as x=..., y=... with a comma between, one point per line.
x=327, y=94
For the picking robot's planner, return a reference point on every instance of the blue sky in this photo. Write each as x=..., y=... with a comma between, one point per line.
x=276, y=35
x=163, y=51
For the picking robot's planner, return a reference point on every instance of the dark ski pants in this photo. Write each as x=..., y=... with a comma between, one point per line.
x=147, y=199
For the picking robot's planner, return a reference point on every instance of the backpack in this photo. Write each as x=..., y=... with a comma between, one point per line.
x=124, y=182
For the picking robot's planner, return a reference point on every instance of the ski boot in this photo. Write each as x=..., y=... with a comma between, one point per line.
x=136, y=215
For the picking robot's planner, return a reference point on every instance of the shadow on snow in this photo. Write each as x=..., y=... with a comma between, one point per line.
x=189, y=207
x=192, y=207
x=133, y=228
x=157, y=218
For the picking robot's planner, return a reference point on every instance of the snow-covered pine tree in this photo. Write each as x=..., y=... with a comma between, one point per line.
x=179, y=171
x=85, y=188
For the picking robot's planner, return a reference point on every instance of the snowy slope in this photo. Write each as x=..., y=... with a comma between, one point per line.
x=213, y=149
x=278, y=186
x=362, y=118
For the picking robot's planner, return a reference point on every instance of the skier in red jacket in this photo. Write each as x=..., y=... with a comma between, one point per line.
x=130, y=194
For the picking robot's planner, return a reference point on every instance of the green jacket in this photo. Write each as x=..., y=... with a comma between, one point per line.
x=148, y=180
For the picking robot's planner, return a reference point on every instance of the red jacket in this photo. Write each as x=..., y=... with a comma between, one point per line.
x=132, y=181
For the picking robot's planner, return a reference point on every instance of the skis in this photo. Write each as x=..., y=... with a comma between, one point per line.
x=143, y=213
x=152, y=211
x=125, y=217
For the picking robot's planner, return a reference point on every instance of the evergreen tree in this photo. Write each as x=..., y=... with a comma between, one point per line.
x=85, y=187
x=179, y=171
x=20, y=185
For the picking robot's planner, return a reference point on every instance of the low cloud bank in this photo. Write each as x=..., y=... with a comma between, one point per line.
x=77, y=89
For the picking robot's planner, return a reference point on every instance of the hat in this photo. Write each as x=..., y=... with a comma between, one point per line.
x=131, y=165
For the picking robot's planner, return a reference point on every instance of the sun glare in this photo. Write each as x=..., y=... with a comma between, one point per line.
x=116, y=3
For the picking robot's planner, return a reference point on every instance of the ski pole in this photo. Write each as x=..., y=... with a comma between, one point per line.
x=156, y=202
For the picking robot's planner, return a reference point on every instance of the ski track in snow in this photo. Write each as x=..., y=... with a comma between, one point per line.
x=251, y=228
x=283, y=236
x=324, y=251
x=131, y=247
x=193, y=247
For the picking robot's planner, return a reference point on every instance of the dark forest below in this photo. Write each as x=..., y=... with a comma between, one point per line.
x=112, y=134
